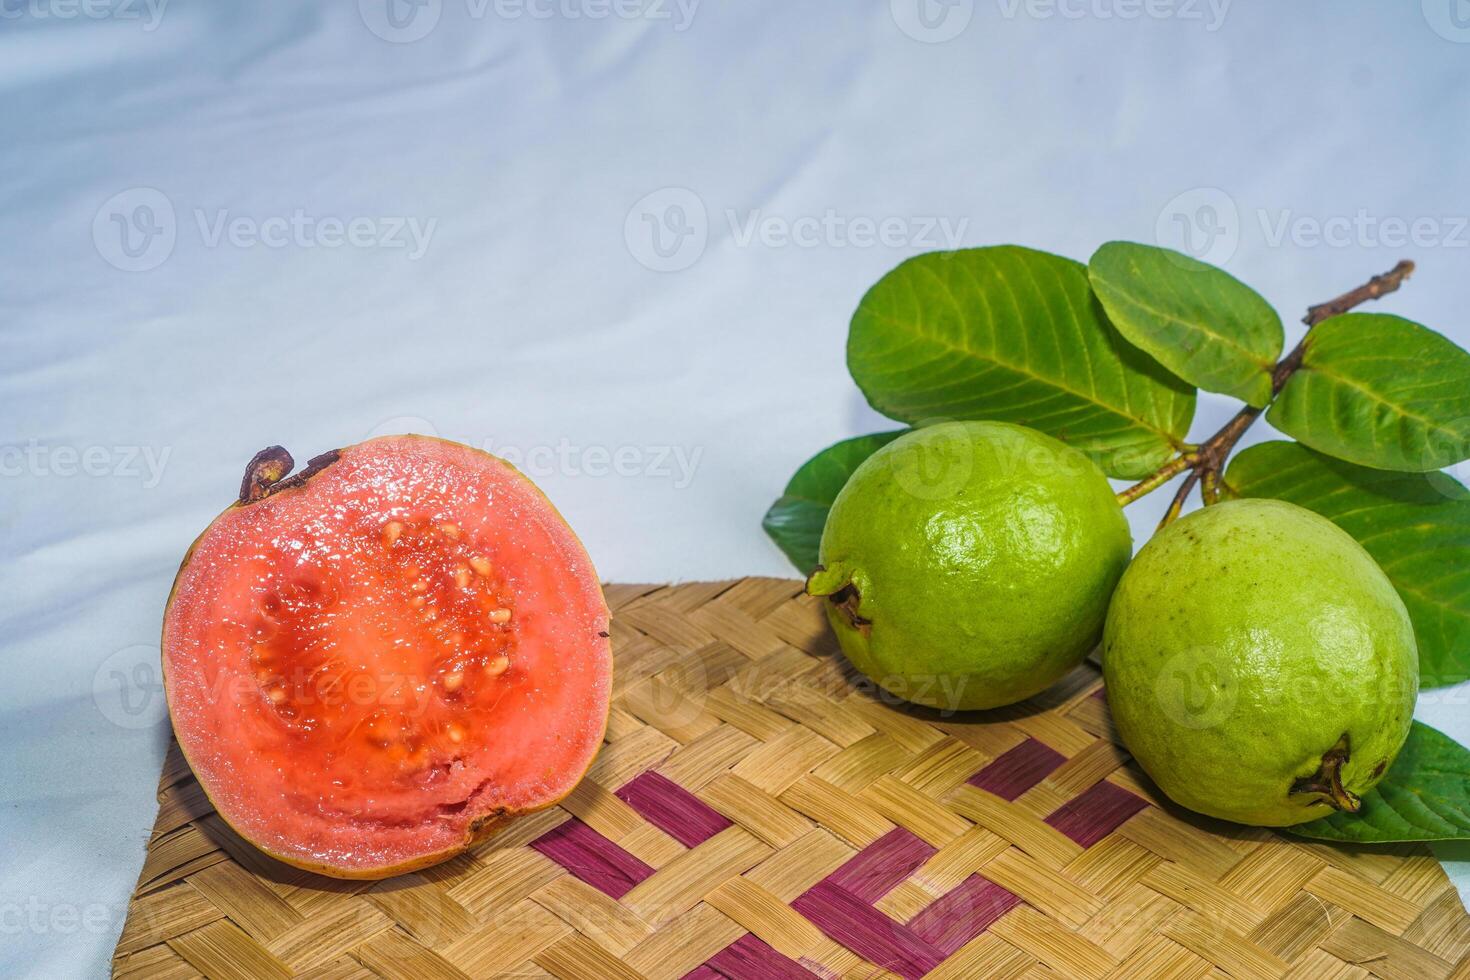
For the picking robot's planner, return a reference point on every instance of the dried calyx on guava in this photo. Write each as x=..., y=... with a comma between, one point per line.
x=1259, y=664
x=968, y=565
x=374, y=662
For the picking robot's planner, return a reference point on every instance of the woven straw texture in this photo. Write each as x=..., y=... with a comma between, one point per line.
x=759, y=811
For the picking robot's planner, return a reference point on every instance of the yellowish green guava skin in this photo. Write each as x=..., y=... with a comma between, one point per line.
x=1243, y=642
x=980, y=556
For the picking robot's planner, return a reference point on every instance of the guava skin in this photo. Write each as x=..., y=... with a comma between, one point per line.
x=968, y=565
x=1244, y=643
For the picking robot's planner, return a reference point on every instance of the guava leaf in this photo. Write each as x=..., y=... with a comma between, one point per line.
x=1015, y=335
x=796, y=519
x=1198, y=321
x=1425, y=796
x=1415, y=525
x=1380, y=391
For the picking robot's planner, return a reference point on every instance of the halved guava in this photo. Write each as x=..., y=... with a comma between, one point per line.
x=372, y=663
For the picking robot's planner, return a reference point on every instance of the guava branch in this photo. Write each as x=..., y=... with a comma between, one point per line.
x=1375, y=288
x=1151, y=483
x=1176, y=506
x=1207, y=463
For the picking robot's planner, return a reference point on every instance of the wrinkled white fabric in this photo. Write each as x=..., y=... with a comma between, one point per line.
x=618, y=243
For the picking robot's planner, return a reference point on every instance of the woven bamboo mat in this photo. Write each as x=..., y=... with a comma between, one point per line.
x=758, y=812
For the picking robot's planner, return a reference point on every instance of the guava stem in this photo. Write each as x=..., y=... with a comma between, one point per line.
x=1151, y=483
x=266, y=472
x=1375, y=288
x=1208, y=462
x=1176, y=506
x=835, y=585
x=1327, y=780
x=265, y=469
x=824, y=581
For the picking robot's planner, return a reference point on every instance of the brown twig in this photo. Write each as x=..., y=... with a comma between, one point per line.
x=1207, y=463
x=1152, y=482
x=1177, y=505
x=1375, y=288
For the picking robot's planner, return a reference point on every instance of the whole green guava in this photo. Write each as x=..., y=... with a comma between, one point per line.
x=1259, y=664
x=969, y=565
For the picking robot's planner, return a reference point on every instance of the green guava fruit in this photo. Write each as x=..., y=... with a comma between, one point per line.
x=969, y=565
x=1259, y=664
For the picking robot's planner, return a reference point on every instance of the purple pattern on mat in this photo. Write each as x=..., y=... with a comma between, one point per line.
x=1098, y=812
x=702, y=973
x=963, y=914
x=592, y=858
x=866, y=931
x=1016, y=771
x=749, y=958
x=876, y=869
x=672, y=809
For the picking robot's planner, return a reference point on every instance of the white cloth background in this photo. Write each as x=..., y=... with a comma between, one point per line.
x=661, y=410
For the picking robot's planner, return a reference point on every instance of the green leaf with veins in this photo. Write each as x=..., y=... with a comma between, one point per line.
x=796, y=519
x=1380, y=391
x=1015, y=335
x=1424, y=797
x=1415, y=525
x=1198, y=321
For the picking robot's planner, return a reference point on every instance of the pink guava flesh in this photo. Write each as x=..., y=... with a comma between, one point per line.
x=369, y=669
